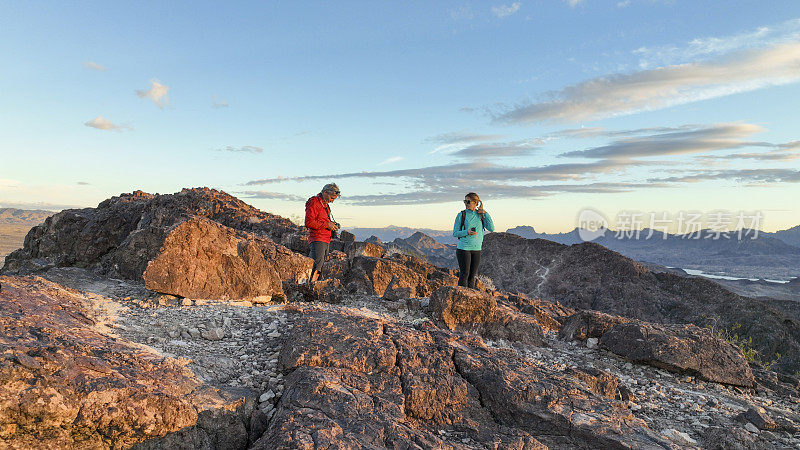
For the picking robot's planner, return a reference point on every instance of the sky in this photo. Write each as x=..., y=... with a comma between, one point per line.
x=544, y=108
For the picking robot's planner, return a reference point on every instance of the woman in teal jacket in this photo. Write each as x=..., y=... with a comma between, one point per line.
x=468, y=228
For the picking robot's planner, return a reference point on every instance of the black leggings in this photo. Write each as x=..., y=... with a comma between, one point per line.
x=468, y=261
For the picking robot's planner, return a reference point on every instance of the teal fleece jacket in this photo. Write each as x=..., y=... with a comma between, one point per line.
x=474, y=242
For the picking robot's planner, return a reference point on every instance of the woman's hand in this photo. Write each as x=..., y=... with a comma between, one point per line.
x=480, y=209
x=472, y=232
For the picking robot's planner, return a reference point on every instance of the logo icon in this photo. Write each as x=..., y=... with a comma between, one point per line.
x=591, y=224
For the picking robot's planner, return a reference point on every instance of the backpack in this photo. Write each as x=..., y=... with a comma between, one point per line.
x=464, y=217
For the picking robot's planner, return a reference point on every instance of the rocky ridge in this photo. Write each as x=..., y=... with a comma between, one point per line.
x=401, y=359
x=590, y=276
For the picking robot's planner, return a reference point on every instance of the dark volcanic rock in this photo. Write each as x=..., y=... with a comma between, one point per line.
x=588, y=324
x=515, y=326
x=372, y=275
x=356, y=381
x=462, y=307
x=590, y=276
x=124, y=233
x=365, y=249
x=202, y=259
x=328, y=291
x=679, y=348
x=66, y=383
x=551, y=316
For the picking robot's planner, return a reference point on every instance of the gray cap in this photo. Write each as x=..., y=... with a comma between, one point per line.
x=331, y=187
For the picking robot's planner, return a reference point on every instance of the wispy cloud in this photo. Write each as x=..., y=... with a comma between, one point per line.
x=753, y=176
x=504, y=11
x=94, y=66
x=573, y=3
x=704, y=47
x=158, y=93
x=83, y=183
x=494, y=150
x=458, y=139
x=393, y=159
x=443, y=183
x=620, y=94
x=267, y=195
x=592, y=132
x=789, y=151
x=716, y=137
x=461, y=173
x=495, y=190
x=244, y=149
x=101, y=123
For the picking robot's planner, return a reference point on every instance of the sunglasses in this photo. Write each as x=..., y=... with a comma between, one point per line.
x=468, y=201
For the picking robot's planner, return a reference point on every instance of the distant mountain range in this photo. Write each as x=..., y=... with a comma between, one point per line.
x=390, y=233
x=769, y=255
x=23, y=216
x=422, y=246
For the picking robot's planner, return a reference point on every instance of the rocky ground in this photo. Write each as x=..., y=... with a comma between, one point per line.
x=183, y=321
x=238, y=344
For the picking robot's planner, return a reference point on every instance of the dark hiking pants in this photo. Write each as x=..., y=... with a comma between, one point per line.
x=319, y=250
x=468, y=261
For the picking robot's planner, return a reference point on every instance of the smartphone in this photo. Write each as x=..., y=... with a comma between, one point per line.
x=473, y=229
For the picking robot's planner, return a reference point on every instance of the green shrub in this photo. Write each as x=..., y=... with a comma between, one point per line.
x=745, y=344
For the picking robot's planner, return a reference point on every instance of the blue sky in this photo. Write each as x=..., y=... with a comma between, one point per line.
x=543, y=108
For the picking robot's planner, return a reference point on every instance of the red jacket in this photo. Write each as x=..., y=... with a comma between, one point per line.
x=317, y=218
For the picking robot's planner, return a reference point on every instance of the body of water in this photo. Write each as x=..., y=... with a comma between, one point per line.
x=723, y=277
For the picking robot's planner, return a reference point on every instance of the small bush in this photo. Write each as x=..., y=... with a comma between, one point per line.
x=745, y=344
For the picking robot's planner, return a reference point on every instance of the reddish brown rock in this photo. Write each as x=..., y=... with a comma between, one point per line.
x=121, y=235
x=680, y=348
x=515, y=326
x=588, y=324
x=370, y=275
x=202, y=259
x=356, y=381
x=336, y=265
x=550, y=315
x=461, y=307
x=65, y=383
x=365, y=249
x=327, y=291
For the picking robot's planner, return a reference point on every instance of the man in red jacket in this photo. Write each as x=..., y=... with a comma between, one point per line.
x=320, y=225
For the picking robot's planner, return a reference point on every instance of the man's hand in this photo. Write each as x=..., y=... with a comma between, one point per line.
x=332, y=226
x=472, y=232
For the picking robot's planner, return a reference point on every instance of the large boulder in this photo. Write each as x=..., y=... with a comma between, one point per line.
x=66, y=382
x=203, y=259
x=462, y=307
x=357, y=381
x=680, y=348
x=197, y=243
x=373, y=275
x=123, y=234
x=588, y=324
